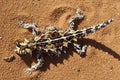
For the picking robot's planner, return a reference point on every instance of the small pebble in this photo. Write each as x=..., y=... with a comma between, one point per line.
x=78, y=70
x=10, y=58
x=111, y=68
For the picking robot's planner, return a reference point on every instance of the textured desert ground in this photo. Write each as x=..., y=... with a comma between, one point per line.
x=102, y=60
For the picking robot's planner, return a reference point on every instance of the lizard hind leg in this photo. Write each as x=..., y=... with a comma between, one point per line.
x=72, y=21
x=79, y=49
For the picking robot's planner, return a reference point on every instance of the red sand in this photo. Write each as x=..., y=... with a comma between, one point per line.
x=103, y=54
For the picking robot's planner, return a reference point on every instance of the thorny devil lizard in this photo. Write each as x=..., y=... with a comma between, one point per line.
x=55, y=41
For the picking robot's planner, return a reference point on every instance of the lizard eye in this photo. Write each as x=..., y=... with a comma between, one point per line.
x=18, y=44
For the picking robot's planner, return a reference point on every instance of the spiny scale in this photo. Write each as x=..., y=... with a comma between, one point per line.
x=55, y=41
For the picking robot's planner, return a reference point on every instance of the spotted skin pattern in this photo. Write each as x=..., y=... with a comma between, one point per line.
x=54, y=41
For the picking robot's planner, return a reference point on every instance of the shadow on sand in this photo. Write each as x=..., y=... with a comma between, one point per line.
x=54, y=59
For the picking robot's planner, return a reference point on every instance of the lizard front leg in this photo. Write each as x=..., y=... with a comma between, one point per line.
x=36, y=66
x=31, y=26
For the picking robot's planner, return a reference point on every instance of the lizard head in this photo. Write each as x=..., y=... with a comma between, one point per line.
x=23, y=48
